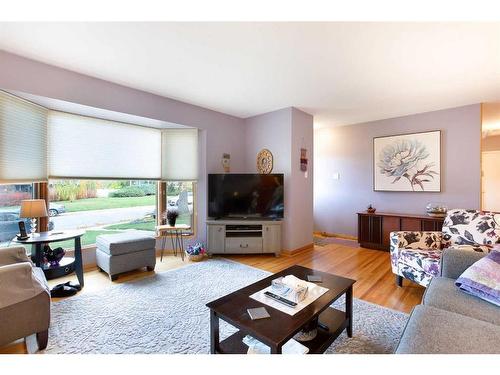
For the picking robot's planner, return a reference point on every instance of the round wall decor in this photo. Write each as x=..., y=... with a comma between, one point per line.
x=264, y=161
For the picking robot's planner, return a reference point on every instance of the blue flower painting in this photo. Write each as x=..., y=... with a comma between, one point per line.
x=408, y=162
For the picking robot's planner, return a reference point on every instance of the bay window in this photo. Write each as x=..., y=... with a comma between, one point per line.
x=103, y=207
x=181, y=197
x=99, y=175
x=11, y=196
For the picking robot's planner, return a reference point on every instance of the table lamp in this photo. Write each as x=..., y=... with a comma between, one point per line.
x=33, y=209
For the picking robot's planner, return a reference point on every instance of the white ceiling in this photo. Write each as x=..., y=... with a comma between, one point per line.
x=342, y=73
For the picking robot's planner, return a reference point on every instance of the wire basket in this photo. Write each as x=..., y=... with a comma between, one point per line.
x=196, y=258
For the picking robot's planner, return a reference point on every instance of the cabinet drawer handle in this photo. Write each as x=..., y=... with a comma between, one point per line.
x=241, y=245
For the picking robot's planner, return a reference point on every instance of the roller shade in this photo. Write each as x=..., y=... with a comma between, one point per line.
x=90, y=148
x=23, y=140
x=179, y=155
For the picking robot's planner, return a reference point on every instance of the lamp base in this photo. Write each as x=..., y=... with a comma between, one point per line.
x=32, y=227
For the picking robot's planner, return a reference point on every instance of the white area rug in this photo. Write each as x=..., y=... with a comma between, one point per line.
x=166, y=313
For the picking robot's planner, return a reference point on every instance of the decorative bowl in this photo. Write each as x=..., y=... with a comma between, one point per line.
x=436, y=210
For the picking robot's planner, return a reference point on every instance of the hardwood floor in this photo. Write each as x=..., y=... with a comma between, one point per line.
x=370, y=268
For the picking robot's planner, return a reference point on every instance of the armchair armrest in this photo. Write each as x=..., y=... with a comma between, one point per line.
x=412, y=241
x=17, y=284
x=11, y=255
x=455, y=261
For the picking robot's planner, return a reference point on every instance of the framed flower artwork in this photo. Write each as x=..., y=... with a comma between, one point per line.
x=407, y=162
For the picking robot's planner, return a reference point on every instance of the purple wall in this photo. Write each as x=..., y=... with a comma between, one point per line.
x=284, y=132
x=301, y=184
x=347, y=150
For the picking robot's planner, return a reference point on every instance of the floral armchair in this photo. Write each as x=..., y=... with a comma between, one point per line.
x=416, y=256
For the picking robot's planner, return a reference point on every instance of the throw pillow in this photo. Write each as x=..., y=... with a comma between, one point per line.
x=482, y=279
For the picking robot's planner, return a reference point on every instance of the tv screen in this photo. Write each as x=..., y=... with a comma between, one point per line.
x=249, y=196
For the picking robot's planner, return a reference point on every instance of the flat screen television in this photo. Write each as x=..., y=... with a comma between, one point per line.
x=246, y=196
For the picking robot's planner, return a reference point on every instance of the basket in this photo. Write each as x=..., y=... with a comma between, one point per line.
x=195, y=258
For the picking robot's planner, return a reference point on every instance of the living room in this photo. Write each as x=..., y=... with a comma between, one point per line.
x=181, y=187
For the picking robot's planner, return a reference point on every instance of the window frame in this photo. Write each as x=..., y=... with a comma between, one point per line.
x=162, y=206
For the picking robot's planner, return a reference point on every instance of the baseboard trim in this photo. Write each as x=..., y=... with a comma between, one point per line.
x=298, y=250
x=337, y=235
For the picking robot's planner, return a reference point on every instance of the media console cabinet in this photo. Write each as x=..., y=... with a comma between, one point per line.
x=243, y=237
x=374, y=229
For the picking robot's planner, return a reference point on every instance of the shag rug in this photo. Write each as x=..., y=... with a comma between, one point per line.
x=166, y=313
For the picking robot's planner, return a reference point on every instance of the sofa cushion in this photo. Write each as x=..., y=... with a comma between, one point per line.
x=434, y=331
x=443, y=294
x=124, y=243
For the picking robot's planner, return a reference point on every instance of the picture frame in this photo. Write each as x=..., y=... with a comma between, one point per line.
x=407, y=162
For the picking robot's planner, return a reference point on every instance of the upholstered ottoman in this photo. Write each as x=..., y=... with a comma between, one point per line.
x=122, y=252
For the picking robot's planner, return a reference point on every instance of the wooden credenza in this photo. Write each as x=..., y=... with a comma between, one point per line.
x=374, y=229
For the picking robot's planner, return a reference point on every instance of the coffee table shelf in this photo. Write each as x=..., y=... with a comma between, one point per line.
x=334, y=319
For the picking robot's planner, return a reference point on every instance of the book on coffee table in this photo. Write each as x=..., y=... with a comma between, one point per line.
x=258, y=313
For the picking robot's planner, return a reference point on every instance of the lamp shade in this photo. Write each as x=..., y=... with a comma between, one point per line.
x=33, y=208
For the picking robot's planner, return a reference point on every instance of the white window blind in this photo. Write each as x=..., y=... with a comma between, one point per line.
x=86, y=147
x=179, y=155
x=23, y=140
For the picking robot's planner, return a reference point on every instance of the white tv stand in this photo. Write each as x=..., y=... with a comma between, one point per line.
x=243, y=237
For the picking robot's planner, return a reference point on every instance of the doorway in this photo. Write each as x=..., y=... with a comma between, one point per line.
x=490, y=157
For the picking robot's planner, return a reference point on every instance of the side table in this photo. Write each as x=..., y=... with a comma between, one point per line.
x=175, y=234
x=42, y=238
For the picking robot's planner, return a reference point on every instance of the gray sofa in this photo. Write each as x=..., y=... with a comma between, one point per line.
x=24, y=298
x=449, y=320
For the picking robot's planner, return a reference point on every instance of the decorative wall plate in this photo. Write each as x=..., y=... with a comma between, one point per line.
x=264, y=161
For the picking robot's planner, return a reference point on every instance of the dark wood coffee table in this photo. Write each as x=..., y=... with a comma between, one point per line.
x=281, y=327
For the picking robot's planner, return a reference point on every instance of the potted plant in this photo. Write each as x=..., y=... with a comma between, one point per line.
x=196, y=252
x=172, y=215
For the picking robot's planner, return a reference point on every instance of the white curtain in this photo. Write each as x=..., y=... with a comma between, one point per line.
x=179, y=155
x=23, y=140
x=86, y=147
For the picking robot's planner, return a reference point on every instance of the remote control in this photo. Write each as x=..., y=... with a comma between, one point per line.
x=280, y=299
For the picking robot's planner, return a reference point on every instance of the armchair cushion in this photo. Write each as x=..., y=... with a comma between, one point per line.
x=412, y=240
x=10, y=255
x=476, y=230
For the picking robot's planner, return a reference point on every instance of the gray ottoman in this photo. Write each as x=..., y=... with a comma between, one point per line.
x=122, y=252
